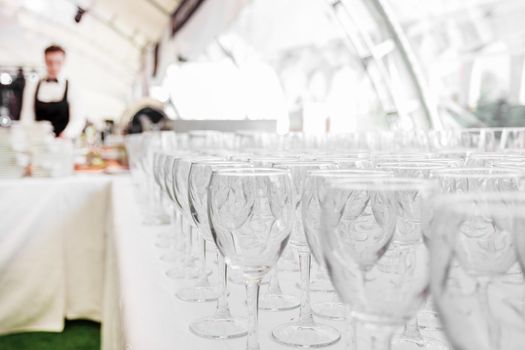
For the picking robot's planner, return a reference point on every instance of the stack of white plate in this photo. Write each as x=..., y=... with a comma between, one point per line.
x=26, y=136
x=53, y=159
x=10, y=168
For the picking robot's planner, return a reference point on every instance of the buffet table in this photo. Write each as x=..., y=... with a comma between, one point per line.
x=77, y=248
x=52, y=234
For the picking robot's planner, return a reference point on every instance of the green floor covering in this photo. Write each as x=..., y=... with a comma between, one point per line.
x=78, y=335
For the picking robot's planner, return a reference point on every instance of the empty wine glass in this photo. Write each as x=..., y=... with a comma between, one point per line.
x=314, y=190
x=477, y=284
x=487, y=159
x=377, y=158
x=411, y=337
x=202, y=291
x=304, y=332
x=140, y=150
x=158, y=177
x=187, y=268
x=221, y=325
x=482, y=139
x=476, y=179
x=273, y=298
x=512, y=138
x=251, y=218
x=413, y=169
x=379, y=275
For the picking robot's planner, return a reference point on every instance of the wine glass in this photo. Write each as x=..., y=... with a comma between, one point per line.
x=273, y=298
x=379, y=275
x=444, y=162
x=151, y=144
x=202, y=291
x=413, y=169
x=482, y=139
x=476, y=179
x=314, y=190
x=411, y=337
x=304, y=332
x=512, y=138
x=487, y=159
x=221, y=325
x=476, y=280
x=140, y=149
x=377, y=158
x=164, y=239
x=251, y=217
x=187, y=268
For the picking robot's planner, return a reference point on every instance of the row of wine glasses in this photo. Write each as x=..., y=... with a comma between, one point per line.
x=409, y=243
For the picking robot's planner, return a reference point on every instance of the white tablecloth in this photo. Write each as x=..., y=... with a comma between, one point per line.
x=52, y=234
x=141, y=311
x=77, y=248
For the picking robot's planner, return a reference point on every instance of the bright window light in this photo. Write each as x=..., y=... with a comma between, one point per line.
x=5, y=79
x=159, y=93
x=220, y=90
x=35, y=5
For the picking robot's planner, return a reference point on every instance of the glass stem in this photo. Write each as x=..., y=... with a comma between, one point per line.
x=157, y=197
x=188, y=234
x=252, y=300
x=412, y=331
x=223, y=309
x=274, y=287
x=203, y=278
x=173, y=216
x=177, y=226
x=351, y=333
x=371, y=337
x=321, y=273
x=151, y=193
x=494, y=330
x=305, y=314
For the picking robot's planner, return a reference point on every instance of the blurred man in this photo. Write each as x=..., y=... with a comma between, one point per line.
x=54, y=99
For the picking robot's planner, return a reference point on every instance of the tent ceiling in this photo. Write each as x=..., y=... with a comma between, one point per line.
x=106, y=46
x=114, y=30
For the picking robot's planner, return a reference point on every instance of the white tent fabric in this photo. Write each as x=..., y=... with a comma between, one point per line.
x=211, y=18
x=106, y=49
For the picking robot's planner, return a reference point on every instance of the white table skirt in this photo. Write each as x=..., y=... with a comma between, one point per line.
x=141, y=311
x=52, y=234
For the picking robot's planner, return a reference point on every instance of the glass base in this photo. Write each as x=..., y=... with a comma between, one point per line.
x=331, y=310
x=429, y=320
x=305, y=335
x=164, y=243
x=320, y=285
x=170, y=257
x=278, y=302
x=156, y=219
x=198, y=294
x=183, y=272
x=165, y=235
x=215, y=327
x=419, y=344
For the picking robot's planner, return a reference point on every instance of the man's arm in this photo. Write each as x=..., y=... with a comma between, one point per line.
x=77, y=118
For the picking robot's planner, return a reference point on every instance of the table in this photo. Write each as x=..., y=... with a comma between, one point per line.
x=141, y=311
x=52, y=235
